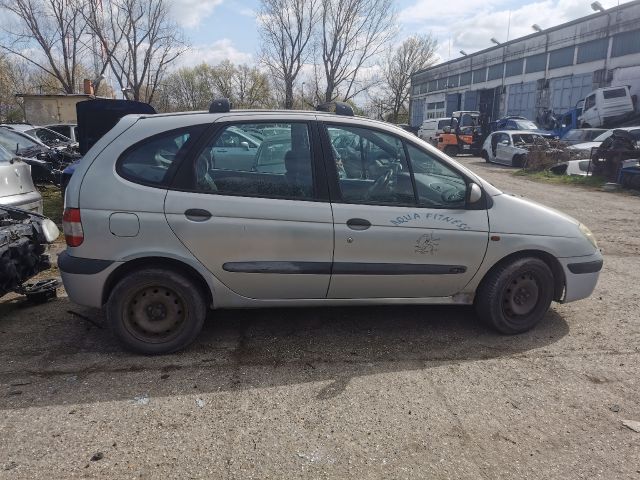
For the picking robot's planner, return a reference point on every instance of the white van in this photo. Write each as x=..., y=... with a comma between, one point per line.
x=606, y=105
x=432, y=128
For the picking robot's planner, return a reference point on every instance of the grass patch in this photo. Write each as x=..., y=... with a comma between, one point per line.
x=548, y=177
x=53, y=204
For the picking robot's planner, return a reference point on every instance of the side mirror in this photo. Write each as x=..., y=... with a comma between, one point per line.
x=245, y=145
x=475, y=193
x=446, y=129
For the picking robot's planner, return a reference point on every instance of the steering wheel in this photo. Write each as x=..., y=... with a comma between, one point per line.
x=453, y=195
x=381, y=183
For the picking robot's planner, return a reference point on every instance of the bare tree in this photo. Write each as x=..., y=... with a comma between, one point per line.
x=139, y=40
x=352, y=34
x=252, y=88
x=413, y=54
x=52, y=35
x=286, y=29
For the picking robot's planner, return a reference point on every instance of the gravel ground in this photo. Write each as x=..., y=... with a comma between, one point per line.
x=402, y=392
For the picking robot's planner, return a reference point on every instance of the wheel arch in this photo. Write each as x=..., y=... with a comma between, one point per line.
x=551, y=261
x=156, y=262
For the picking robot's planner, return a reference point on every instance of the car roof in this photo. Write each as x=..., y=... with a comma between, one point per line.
x=518, y=132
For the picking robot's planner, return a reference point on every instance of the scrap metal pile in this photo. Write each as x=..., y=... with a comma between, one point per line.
x=613, y=154
x=23, y=242
x=47, y=165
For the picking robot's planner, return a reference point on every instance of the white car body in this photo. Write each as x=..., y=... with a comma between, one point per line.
x=432, y=128
x=502, y=147
x=587, y=146
x=606, y=105
x=266, y=250
x=16, y=186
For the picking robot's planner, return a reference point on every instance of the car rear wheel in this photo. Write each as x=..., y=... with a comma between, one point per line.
x=451, y=150
x=485, y=155
x=517, y=161
x=155, y=311
x=515, y=296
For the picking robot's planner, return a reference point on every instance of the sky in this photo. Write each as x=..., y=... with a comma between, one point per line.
x=226, y=29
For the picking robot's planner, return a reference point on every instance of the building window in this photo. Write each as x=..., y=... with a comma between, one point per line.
x=452, y=81
x=626, y=43
x=465, y=79
x=480, y=75
x=495, y=72
x=514, y=67
x=416, y=89
x=432, y=85
x=592, y=51
x=442, y=83
x=561, y=58
x=536, y=63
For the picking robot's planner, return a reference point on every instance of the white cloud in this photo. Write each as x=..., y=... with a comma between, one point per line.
x=471, y=27
x=213, y=53
x=190, y=13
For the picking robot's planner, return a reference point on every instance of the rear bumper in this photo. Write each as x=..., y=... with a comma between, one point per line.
x=84, y=279
x=31, y=201
x=581, y=276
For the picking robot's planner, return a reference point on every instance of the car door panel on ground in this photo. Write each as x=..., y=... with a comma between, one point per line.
x=261, y=233
x=388, y=243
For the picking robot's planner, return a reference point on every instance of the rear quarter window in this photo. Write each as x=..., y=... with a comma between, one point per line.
x=153, y=160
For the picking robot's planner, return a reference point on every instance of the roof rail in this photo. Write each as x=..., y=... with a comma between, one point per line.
x=220, y=105
x=339, y=108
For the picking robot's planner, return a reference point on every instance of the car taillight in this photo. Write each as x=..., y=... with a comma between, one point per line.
x=72, y=227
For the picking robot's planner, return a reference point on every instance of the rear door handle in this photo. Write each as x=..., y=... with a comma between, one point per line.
x=197, y=215
x=358, y=224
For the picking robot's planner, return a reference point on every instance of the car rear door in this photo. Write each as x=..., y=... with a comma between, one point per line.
x=388, y=244
x=264, y=234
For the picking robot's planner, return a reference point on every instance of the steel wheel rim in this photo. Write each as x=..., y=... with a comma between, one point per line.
x=521, y=295
x=155, y=314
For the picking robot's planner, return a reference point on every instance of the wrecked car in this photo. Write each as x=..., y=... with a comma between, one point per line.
x=16, y=185
x=47, y=163
x=24, y=237
x=509, y=147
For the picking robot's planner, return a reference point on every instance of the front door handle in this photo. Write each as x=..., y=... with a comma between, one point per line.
x=358, y=224
x=197, y=215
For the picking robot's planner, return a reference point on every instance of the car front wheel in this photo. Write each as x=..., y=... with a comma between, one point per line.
x=515, y=296
x=155, y=311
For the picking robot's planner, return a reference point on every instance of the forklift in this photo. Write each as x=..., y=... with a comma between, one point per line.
x=465, y=134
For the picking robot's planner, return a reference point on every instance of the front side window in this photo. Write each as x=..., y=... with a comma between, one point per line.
x=589, y=102
x=372, y=167
x=150, y=161
x=437, y=185
x=5, y=156
x=236, y=161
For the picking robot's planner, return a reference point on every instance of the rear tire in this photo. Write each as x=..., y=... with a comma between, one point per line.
x=451, y=150
x=515, y=296
x=485, y=155
x=517, y=161
x=154, y=311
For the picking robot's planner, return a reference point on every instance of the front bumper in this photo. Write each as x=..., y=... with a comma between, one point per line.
x=84, y=279
x=581, y=276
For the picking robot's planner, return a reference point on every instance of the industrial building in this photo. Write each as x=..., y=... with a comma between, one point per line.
x=552, y=69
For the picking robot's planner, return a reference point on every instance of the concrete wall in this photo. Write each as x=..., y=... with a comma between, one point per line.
x=45, y=109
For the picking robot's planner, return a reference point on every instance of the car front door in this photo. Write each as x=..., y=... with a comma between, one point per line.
x=504, y=150
x=264, y=234
x=234, y=151
x=402, y=229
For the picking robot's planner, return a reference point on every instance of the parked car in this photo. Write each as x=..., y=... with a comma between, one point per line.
x=521, y=124
x=581, y=135
x=69, y=130
x=16, y=185
x=156, y=240
x=432, y=128
x=587, y=146
x=605, y=106
x=509, y=147
x=49, y=137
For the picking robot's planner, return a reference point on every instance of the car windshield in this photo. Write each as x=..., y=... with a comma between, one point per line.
x=47, y=135
x=526, y=138
x=574, y=135
x=526, y=125
x=12, y=141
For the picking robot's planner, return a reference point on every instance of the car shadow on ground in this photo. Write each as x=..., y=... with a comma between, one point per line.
x=63, y=358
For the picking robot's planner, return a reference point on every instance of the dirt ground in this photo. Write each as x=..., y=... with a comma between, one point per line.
x=383, y=393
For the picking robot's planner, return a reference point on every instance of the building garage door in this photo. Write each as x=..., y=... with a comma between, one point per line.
x=471, y=99
x=566, y=92
x=417, y=112
x=521, y=100
x=452, y=103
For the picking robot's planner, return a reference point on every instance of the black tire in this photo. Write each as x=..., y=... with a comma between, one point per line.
x=485, y=155
x=515, y=296
x=451, y=150
x=147, y=301
x=517, y=161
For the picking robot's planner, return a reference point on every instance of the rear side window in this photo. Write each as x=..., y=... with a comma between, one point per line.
x=150, y=162
x=617, y=93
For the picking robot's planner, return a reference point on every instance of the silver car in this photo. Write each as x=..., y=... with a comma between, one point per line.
x=158, y=234
x=16, y=186
x=509, y=147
